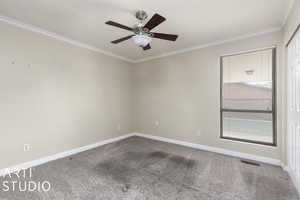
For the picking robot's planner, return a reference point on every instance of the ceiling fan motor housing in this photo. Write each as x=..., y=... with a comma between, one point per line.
x=141, y=30
x=141, y=15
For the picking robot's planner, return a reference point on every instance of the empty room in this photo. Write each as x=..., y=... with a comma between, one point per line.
x=150, y=100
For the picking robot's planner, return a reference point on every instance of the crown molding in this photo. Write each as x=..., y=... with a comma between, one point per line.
x=214, y=43
x=288, y=12
x=35, y=29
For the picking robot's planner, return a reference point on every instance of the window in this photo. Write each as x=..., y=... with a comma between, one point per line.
x=248, y=97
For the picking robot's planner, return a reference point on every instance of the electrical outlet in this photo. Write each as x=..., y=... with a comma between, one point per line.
x=119, y=127
x=156, y=123
x=26, y=147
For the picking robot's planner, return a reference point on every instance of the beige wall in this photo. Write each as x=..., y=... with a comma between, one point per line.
x=182, y=92
x=57, y=97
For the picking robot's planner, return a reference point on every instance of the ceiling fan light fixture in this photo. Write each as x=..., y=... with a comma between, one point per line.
x=141, y=40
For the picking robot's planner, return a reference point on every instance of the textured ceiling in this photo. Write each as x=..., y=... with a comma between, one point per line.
x=196, y=22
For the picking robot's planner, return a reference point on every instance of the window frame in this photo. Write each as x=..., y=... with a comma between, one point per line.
x=274, y=103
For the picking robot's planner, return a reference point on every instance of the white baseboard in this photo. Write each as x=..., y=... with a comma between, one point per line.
x=43, y=160
x=213, y=149
x=295, y=178
x=284, y=166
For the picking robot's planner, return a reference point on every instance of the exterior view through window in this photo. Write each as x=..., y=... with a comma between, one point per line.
x=248, y=97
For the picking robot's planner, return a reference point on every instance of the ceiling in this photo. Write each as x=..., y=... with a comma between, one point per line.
x=197, y=22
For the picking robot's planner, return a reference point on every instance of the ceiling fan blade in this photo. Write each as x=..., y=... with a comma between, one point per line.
x=118, y=25
x=154, y=21
x=165, y=36
x=122, y=39
x=147, y=47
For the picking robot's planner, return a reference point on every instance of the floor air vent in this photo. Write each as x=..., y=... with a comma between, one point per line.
x=250, y=162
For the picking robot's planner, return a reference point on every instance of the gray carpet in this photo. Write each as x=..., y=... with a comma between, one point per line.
x=142, y=169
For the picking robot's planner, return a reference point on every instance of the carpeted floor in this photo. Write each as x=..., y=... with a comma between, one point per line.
x=143, y=169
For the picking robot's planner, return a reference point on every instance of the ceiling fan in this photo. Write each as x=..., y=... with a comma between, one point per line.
x=141, y=33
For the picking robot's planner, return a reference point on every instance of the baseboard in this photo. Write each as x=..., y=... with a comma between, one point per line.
x=284, y=166
x=295, y=178
x=213, y=149
x=44, y=160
